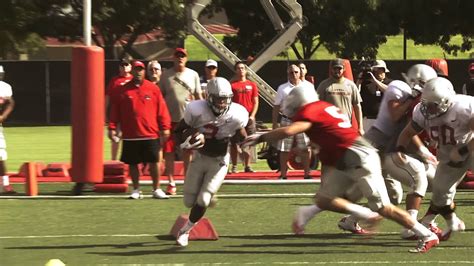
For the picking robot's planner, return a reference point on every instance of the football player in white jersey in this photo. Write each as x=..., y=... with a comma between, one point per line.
x=414, y=172
x=449, y=120
x=217, y=120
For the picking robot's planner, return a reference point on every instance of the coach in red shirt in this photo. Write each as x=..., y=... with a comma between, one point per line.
x=141, y=112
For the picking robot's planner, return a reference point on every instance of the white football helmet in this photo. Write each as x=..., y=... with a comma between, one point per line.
x=298, y=97
x=418, y=75
x=219, y=95
x=436, y=97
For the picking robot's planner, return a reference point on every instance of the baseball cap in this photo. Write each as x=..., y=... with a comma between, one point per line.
x=2, y=70
x=211, y=62
x=380, y=64
x=471, y=67
x=180, y=50
x=137, y=63
x=338, y=62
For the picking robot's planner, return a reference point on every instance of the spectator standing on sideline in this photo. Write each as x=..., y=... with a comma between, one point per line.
x=342, y=92
x=245, y=94
x=302, y=141
x=304, y=72
x=180, y=85
x=372, y=86
x=123, y=77
x=153, y=71
x=210, y=72
x=468, y=87
x=348, y=160
x=141, y=112
x=217, y=119
x=6, y=107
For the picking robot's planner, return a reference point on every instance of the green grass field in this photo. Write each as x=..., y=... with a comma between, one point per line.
x=253, y=222
x=391, y=50
x=253, y=229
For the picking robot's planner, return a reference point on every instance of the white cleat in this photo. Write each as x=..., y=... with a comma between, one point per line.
x=160, y=194
x=136, y=194
x=182, y=239
x=457, y=226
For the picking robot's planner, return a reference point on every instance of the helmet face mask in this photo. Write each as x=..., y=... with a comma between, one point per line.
x=437, y=96
x=219, y=95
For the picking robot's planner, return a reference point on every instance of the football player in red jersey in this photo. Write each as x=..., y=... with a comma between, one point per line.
x=347, y=160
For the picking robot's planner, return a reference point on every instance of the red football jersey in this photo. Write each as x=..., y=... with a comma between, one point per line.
x=330, y=129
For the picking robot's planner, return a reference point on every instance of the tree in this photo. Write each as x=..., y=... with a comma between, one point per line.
x=435, y=21
x=15, y=38
x=114, y=21
x=355, y=29
x=347, y=28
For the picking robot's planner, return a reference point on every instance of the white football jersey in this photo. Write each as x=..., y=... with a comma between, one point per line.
x=451, y=128
x=199, y=115
x=399, y=91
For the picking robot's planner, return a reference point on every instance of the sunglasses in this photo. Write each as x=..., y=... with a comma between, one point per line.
x=293, y=72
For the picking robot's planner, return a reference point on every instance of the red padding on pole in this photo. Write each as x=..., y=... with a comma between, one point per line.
x=87, y=77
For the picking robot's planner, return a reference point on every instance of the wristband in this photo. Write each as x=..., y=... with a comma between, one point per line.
x=401, y=149
x=463, y=150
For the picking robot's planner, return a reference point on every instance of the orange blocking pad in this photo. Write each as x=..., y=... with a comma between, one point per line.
x=24, y=168
x=57, y=169
x=203, y=230
x=115, y=179
x=111, y=188
x=115, y=168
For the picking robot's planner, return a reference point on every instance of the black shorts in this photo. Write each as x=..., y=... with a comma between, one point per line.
x=140, y=151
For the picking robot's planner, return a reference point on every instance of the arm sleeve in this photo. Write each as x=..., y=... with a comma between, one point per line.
x=197, y=83
x=254, y=90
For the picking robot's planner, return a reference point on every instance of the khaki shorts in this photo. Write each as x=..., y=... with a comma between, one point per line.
x=361, y=169
x=285, y=145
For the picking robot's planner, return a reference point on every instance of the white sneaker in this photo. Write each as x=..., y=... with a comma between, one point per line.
x=136, y=194
x=182, y=239
x=160, y=194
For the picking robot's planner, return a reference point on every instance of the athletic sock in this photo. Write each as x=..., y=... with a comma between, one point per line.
x=413, y=213
x=360, y=212
x=5, y=180
x=421, y=230
x=187, y=227
x=309, y=212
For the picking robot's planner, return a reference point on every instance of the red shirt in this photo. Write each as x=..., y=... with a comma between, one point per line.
x=140, y=111
x=330, y=129
x=244, y=93
x=116, y=82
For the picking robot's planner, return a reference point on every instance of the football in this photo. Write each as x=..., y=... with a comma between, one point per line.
x=195, y=136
